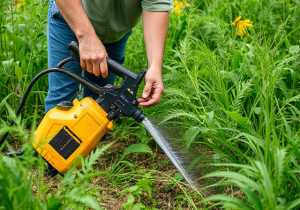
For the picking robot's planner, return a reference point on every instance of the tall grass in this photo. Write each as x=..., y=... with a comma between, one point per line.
x=23, y=53
x=22, y=180
x=240, y=96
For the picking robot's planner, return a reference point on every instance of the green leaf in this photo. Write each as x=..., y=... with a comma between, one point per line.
x=137, y=148
x=8, y=66
x=294, y=49
x=9, y=28
x=129, y=204
x=178, y=177
x=145, y=184
x=88, y=201
x=132, y=166
x=138, y=206
x=94, y=156
x=12, y=166
x=194, y=163
x=18, y=72
x=192, y=132
x=128, y=190
x=236, y=176
x=54, y=203
x=251, y=139
x=210, y=115
x=180, y=114
x=3, y=102
x=294, y=204
x=279, y=160
x=251, y=50
x=238, y=117
x=266, y=182
x=68, y=177
x=237, y=59
x=231, y=202
x=252, y=197
x=257, y=110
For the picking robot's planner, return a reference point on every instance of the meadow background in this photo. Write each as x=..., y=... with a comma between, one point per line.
x=231, y=90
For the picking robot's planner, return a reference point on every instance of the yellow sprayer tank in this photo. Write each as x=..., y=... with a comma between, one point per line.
x=66, y=133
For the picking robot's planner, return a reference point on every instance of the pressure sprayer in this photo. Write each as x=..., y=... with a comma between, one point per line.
x=73, y=129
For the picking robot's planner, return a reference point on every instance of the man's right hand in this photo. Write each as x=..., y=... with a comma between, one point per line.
x=93, y=55
x=92, y=51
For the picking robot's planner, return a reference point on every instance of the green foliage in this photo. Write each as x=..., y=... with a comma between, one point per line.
x=262, y=189
x=128, y=127
x=137, y=148
x=16, y=186
x=137, y=191
x=239, y=95
x=19, y=175
x=23, y=53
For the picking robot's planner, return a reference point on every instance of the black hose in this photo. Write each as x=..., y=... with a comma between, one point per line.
x=85, y=82
x=63, y=62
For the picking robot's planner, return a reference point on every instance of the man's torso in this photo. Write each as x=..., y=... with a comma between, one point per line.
x=113, y=19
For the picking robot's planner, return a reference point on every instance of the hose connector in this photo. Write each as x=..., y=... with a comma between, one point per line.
x=138, y=115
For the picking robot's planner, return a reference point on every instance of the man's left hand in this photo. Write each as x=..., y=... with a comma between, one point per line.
x=154, y=88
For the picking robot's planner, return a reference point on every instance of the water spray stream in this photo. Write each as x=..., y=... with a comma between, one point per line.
x=166, y=147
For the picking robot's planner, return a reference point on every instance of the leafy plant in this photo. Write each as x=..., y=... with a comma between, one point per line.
x=137, y=191
x=262, y=189
x=240, y=97
x=23, y=53
x=18, y=175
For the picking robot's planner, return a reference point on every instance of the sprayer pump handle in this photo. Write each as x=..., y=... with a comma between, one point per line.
x=112, y=65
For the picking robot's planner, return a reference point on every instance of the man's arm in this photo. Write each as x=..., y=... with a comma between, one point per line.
x=155, y=26
x=92, y=51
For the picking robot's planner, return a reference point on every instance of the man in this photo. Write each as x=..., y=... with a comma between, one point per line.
x=102, y=27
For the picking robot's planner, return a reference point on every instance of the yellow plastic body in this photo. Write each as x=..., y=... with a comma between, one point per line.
x=86, y=122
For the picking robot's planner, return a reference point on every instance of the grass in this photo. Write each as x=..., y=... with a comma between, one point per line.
x=238, y=96
x=23, y=53
x=123, y=174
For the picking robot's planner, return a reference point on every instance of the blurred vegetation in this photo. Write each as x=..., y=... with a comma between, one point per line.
x=237, y=94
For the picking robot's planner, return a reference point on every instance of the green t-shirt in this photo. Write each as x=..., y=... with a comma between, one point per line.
x=113, y=19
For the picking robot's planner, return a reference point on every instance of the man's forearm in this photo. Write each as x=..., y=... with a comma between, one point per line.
x=75, y=16
x=155, y=32
x=92, y=51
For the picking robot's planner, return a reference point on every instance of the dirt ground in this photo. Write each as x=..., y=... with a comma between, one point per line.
x=166, y=194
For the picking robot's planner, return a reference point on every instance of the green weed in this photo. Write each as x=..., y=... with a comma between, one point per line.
x=23, y=53
x=240, y=96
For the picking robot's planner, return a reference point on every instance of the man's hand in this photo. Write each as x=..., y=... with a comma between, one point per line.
x=155, y=26
x=153, y=89
x=92, y=52
x=93, y=55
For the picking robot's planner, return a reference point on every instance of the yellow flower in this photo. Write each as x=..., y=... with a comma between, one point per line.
x=179, y=5
x=185, y=3
x=236, y=20
x=241, y=25
x=19, y=7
